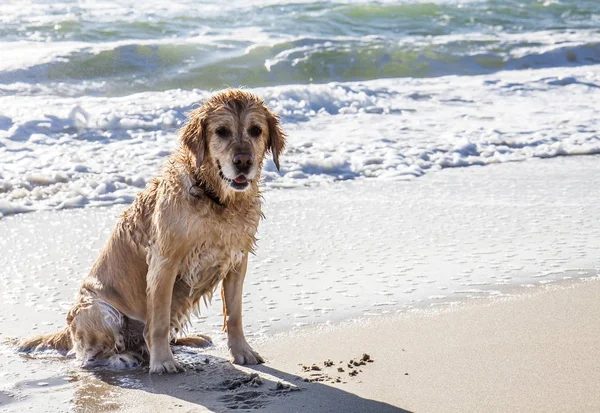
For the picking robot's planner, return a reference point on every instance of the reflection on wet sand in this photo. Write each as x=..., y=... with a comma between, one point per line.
x=210, y=383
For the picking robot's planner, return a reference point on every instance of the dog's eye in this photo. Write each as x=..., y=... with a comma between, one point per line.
x=223, y=132
x=254, y=131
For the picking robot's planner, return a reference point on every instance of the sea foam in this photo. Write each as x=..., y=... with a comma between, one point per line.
x=72, y=152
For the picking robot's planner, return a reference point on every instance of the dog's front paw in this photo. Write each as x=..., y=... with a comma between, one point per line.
x=168, y=365
x=242, y=353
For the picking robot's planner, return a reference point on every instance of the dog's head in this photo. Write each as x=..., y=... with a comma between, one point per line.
x=233, y=131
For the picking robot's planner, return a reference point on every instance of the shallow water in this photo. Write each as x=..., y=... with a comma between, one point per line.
x=360, y=249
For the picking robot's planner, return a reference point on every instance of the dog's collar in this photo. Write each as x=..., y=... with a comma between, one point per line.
x=200, y=187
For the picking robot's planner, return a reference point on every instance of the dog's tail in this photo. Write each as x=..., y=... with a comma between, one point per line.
x=60, y=341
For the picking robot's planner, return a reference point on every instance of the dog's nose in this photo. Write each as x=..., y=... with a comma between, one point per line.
x=242, y=159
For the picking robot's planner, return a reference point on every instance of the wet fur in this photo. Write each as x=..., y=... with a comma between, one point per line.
x=174, y=245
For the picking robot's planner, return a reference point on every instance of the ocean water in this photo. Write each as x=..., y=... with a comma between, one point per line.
x=92, y=92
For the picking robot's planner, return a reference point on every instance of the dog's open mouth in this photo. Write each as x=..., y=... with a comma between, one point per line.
x=239, y=183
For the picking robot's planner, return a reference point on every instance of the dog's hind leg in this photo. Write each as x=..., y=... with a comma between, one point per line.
x=96, y=329
x=201, y=340
x=122, y=361
x=183, y=303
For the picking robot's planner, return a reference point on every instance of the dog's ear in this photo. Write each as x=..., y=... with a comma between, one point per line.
x=193, y=135
x=276, y=140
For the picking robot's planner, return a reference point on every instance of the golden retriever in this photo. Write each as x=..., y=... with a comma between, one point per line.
x=190, y=229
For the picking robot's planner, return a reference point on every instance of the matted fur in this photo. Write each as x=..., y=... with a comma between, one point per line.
x=174, y=245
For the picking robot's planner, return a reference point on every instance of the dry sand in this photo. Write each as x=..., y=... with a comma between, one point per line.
x=535, y=351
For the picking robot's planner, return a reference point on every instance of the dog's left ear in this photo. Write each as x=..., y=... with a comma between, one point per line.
x=192, y=136
x=276, y=141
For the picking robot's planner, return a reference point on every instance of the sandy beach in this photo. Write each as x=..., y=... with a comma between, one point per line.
x=494, y=310
x=530, y=352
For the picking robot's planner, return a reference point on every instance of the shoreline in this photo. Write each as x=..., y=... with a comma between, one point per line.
x=530, y=351
x=509, y=294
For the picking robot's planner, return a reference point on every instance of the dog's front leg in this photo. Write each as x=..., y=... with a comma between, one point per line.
x=240, y=350
x=159, y=292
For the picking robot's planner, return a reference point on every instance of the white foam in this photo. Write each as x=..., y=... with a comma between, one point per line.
x=71, y=152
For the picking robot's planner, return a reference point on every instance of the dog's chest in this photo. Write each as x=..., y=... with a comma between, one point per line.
x=205, y=267
x=219, y=248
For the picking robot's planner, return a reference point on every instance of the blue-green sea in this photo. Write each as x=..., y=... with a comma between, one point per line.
x=92, y=93
x=113, y=48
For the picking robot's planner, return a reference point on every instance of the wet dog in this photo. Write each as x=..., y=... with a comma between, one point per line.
x=189, y=230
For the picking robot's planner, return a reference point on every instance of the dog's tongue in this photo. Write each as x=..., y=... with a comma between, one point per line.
x=240, y=179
